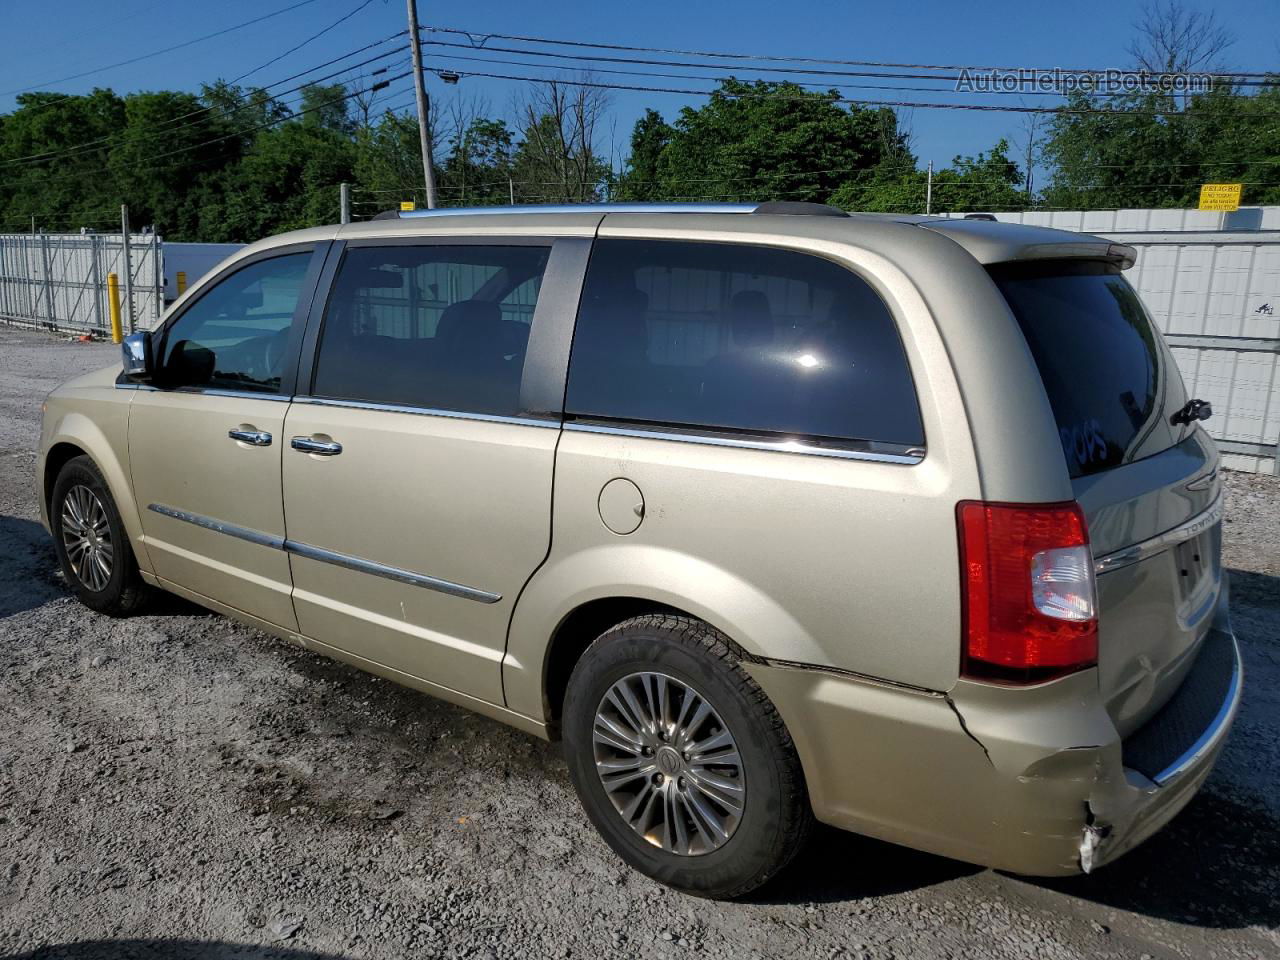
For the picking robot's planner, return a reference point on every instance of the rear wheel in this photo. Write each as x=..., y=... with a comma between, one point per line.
x=681, y=761
x=90, y=541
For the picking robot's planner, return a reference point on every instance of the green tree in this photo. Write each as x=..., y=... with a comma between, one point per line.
x=986, y=182
x=1157, y=150
x=640, y=179
x=556, y=160
x=327, y=106
x=765, y=141
x=480, y=164
x=389, y=160
x=169, y=142
x=54, y=151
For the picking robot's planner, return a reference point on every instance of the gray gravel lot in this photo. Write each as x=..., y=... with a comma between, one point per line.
x=179, y=785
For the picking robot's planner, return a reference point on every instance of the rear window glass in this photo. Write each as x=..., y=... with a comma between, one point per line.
x=1098, y=356
x=739, y=338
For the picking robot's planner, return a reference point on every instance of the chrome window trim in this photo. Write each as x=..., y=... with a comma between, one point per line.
x=425, y=411
x=328, y=556
x=776, y=446
x=1149, y=548
x=244, y=394
x=212, y=392
x=1216, y=730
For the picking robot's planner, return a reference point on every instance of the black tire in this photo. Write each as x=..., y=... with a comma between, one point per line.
x=775, y=818
x=123, y=592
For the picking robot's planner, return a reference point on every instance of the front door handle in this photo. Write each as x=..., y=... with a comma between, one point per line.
x=255, y=438
x=321, y=448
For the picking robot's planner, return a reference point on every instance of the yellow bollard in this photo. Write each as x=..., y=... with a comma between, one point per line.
x=182, y=282
x=113, y=303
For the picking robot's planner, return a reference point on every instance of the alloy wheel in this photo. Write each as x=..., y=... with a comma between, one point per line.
x=86, y=535
x=669, y=764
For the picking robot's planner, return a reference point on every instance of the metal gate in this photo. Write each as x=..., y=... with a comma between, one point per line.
x=59, y=281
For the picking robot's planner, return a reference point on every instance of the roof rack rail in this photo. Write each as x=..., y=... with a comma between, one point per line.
x=533, y=208
x=776, y=207
x=799, y=208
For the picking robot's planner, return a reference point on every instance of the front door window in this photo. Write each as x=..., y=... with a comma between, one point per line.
x=237, y=335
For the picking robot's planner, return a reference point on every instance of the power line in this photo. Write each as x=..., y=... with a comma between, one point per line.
x=598, y=58
x=819, y=85
x=314, y=36
x=156, y=53
x=919, y=105
x=32, y=107
x=719, y=78
x=485, y=37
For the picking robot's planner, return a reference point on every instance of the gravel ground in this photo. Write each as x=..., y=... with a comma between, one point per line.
x=179, y=785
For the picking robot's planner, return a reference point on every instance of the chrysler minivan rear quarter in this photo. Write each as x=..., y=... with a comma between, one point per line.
x=770, y=513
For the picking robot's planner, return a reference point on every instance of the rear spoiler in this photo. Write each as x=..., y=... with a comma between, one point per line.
x=999, y=242
x=1118, y=253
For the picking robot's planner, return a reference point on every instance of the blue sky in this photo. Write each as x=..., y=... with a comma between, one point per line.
x=46, y=41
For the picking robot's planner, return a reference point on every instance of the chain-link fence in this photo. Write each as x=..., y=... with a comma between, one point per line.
x=59, y=281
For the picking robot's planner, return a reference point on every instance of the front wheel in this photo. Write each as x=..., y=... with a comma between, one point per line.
x=681, y=761
x=91, y=543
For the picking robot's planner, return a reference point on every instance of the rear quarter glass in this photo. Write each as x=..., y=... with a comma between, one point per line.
x=1108, y=374
x=739, y=337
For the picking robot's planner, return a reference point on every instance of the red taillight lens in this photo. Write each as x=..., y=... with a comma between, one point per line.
x=1030, y=598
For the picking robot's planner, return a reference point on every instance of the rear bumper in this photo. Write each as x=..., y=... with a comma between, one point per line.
x=1034, y=780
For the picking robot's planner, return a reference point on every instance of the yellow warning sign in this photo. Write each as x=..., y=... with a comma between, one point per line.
x=410, y=205
x=1220, y=196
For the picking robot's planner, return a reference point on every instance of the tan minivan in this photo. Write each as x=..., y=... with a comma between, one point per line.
x=770, y=512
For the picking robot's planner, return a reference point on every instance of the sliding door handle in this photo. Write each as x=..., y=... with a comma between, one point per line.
x=321, y=448
x=255, y=438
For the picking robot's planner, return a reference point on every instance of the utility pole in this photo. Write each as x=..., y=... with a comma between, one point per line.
x=344, y=203
x=420, y=89
x=928, y=191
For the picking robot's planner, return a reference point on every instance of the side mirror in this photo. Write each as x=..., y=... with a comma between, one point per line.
x=139, y=364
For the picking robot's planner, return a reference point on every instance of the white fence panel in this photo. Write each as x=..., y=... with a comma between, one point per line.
x=59, y=281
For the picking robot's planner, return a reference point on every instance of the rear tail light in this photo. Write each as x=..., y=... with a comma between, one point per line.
x=1030, y=598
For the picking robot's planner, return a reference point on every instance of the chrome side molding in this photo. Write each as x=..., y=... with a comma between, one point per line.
x=390, y=573
x=329, y=556
x=218, y=526
x=1149, y=548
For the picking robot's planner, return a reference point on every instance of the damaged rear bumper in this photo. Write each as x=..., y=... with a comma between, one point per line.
x=1036, y=781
